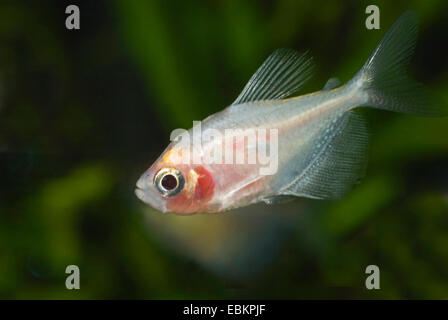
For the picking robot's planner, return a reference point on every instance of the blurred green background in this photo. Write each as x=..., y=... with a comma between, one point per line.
x=83, y=113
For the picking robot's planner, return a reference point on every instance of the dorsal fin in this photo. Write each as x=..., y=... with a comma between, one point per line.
x=332, y=83
x=282, y=74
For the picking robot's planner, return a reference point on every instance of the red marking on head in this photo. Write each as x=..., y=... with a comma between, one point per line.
x=205, y=185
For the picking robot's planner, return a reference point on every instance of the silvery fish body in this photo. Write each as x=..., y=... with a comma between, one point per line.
x=316, y=142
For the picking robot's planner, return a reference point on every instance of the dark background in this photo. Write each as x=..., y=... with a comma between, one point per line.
x=84, y=112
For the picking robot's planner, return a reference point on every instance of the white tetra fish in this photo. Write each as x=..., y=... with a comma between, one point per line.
x=320, y=143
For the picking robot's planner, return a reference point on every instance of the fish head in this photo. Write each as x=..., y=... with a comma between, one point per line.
x=170, y=185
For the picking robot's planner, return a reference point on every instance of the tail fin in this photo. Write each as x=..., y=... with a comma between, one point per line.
x=383, y=76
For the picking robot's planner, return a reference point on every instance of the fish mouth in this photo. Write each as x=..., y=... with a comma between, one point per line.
x=141, y=183
x=140, y=187
x=150, y=198
x=140, y=194
x=146, y=197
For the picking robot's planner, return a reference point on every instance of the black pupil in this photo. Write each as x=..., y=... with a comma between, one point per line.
x=169, y=182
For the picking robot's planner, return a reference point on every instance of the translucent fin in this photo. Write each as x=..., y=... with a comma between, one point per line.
x=338, y=163
x=384, y=78
x=332, y=83
x=282, y=74
x=279, y=199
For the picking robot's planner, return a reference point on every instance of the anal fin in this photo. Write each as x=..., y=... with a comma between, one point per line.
x=337, y=165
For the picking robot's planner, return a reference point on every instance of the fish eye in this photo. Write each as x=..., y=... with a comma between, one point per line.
x=169, y=182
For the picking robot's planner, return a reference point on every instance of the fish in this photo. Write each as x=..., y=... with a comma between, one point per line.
x=317, y=142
